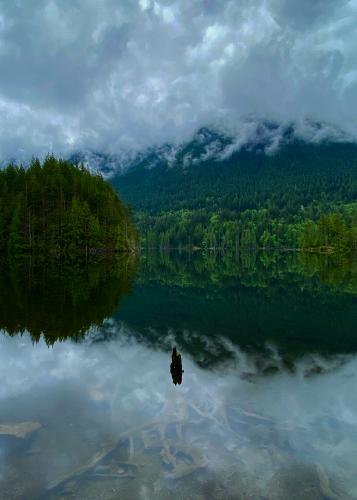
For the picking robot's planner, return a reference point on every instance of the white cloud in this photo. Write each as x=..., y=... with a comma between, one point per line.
x=105, y=388
x=106, y=75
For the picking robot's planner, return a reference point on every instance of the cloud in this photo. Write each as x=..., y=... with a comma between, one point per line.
x=109, y=75
x=86, y=394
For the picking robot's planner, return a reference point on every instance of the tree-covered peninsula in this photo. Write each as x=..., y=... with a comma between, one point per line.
x=57, y=208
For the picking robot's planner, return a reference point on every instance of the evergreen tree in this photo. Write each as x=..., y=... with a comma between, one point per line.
x=16, y=243
x=60, y=208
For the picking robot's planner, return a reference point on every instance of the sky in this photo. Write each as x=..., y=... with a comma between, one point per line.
x=109, y=75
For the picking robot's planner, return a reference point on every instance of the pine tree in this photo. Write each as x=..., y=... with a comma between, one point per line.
x=16, y=243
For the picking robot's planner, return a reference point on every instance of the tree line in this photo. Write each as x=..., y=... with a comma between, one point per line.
x=61, y=209
x=335, y=230
x=302, y=197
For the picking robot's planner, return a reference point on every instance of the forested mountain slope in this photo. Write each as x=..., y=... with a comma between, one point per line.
x=211, y=193
x=296, y=175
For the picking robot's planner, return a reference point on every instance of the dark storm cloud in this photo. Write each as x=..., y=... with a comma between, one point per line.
x=111, y=75
x=52, y=57
x=302, y=14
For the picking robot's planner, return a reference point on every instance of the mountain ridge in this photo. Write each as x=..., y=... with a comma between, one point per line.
x=212, y=143
x=289, y=193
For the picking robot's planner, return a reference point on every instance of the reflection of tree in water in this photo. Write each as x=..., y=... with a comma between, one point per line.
x=266, y=271
x=293, y=301
x=61, y=300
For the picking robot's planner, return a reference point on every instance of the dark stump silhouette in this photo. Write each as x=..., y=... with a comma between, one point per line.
x=176, y=367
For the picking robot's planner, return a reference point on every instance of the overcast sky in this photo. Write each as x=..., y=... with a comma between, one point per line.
x=112, y=74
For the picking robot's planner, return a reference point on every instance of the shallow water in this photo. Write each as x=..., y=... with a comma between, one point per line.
x=262, y=411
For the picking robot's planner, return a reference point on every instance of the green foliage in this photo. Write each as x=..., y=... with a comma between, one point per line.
x=299, y=176
x=61, y=209
x=304, y=196
x=251, y=229
x=16, y=242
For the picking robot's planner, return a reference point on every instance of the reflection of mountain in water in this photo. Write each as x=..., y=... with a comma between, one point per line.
x=300, y=304
x=64, y=300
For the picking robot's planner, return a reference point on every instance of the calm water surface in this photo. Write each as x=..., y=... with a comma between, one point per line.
x=267, y=408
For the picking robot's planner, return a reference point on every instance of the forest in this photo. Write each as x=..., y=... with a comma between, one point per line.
x=335, y=230
x=302, y=197
x=59, y=209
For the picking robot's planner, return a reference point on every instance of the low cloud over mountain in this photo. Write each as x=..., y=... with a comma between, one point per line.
x=211, y=144
x=113, y=76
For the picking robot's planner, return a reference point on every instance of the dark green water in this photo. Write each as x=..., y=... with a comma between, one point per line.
x=267, y=407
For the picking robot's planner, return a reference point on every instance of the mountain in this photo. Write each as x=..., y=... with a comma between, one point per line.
x=227, y=172
x=210, y=144
x=257, y=188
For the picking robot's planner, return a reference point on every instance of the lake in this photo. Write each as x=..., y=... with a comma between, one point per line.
x=267, y=407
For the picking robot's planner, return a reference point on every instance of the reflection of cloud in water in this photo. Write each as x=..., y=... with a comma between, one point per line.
x=245, y=428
